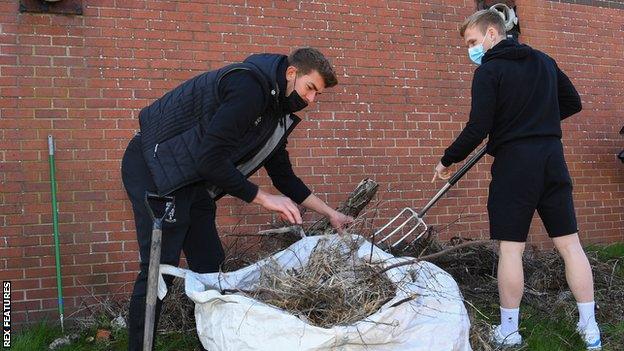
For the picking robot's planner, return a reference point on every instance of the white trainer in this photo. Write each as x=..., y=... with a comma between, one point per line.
x=591, y=336
x=498, y=338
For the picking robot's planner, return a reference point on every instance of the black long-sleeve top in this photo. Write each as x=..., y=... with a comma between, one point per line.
x=243, y=100
x=518, y=92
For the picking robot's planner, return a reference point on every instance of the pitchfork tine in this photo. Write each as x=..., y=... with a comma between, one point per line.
x=398, y=227
x=418, y=216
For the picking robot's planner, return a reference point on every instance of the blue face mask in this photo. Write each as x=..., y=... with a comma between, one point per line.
x=476, y=53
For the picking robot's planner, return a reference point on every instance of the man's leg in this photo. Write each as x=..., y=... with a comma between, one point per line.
x=170, y=254
x=510, y=274
x=514, y=192
x=556, y=208
x=577, y=269
x=202, y=246
x=137, y=180
x=510, y=277
x=579, y=276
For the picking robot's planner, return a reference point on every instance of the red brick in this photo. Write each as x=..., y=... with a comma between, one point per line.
x=398, y=105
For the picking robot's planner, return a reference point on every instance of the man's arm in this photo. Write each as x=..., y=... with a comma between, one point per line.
x=284, y=179
x=569, y=99
x=242, y=102
x=337, y=219
x=481, y=119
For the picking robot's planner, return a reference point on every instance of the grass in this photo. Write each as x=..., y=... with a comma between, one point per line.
x=539, y=332
x=548, y=333
x=553, y=333
x=556, y=331
x=35, y=337
x=609, y=252
x=40, y=336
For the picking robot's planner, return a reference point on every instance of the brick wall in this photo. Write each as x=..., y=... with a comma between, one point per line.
x=403, y=96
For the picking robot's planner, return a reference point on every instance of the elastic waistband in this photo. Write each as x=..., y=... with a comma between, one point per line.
x=531, y=139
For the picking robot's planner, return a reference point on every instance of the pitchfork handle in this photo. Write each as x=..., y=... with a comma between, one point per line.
x=467, y=166
x=460, y=173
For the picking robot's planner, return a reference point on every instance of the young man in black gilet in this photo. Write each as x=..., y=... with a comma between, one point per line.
x=519, y=97
x=202, y=140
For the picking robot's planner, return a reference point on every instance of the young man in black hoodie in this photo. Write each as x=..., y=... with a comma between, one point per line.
x=202, y=140
x=519, y=97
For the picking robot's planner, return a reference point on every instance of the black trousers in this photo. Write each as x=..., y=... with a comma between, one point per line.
x=191, y=228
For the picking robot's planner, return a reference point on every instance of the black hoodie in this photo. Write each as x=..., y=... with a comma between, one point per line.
x=517, y=92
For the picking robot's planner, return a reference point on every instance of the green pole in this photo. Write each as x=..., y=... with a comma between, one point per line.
x=57, y=250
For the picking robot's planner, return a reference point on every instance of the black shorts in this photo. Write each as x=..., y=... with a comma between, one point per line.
x=530, y=175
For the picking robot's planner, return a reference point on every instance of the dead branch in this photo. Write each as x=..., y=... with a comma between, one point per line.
x=355, y=203
x=437, y=254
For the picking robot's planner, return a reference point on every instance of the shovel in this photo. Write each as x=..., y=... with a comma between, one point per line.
x=154, y=264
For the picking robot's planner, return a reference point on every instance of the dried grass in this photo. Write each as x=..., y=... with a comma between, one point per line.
x=333, y=288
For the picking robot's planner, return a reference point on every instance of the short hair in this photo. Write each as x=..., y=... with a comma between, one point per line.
x=482, y=20
x=309, y=59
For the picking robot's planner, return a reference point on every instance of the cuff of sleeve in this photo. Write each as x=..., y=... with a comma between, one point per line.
x=301, y=194
x=248, y=192
x=445, y=161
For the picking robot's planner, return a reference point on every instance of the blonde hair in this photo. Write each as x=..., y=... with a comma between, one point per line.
x=482, y=20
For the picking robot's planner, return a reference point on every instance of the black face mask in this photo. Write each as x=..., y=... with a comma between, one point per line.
x=294, y=102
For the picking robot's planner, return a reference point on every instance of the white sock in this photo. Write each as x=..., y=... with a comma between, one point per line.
x=586, y=314
x=509, y=320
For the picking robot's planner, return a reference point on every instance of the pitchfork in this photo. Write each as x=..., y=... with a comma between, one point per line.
x=418, y=216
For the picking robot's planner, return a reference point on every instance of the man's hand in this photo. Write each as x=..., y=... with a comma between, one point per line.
x=339, y=221
x=336, y=219
x=441, y=172
x=284, y=206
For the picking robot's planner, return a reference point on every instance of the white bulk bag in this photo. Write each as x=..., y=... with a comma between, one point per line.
x=435, y=320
